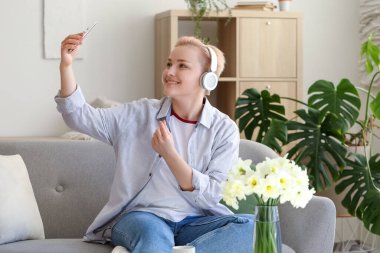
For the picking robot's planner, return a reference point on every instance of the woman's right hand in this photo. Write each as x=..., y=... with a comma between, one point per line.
x=70, y=47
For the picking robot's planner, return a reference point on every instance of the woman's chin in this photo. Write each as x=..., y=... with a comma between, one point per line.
x=169, y=91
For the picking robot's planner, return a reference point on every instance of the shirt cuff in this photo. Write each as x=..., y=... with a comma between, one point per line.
x=70, y=103
x=200, y=181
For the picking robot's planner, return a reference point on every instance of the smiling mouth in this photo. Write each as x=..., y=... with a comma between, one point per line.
x=171, y=82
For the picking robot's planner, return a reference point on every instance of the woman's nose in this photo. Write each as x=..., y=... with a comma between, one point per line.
x=171, y=71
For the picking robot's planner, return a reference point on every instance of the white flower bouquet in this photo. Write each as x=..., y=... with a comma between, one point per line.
x=272, y=182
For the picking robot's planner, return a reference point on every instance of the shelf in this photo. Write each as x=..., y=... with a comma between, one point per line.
x=186, y=15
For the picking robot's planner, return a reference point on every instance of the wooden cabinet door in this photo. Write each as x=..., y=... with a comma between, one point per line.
x=283, y=89
x=268, y=47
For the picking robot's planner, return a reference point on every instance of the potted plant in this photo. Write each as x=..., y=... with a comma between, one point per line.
x=201, y=8
x=361, y=176
x=317, y=137
x=366, y=126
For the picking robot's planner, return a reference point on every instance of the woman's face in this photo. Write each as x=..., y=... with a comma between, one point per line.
x=182, y=73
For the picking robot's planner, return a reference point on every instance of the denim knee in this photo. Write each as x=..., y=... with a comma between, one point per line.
x=142, y=232
x=234, y=237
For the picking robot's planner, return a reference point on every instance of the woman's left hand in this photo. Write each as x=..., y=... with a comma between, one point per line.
x=162, y=141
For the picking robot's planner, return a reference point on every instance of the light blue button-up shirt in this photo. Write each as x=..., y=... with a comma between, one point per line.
x=212, y=151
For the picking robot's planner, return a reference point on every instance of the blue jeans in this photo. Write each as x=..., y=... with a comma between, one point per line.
x=143, y=232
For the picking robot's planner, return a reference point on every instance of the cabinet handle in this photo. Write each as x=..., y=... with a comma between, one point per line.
x=267, y=23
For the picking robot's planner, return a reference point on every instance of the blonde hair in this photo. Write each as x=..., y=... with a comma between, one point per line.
x=192, y=41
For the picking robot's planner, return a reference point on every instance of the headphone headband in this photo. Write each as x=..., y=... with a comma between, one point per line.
x=213, y=58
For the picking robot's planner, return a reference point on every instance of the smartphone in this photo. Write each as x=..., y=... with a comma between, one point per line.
x=86, y=32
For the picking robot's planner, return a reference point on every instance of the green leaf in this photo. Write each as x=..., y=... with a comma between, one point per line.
x=371, y=52
x=334, y=126
x=256, y=112
x=363, y=197
x=317, y=146
x=370, y=209
x=277, y=131
x=375, y=169
x=343, y=101
x=375, y=106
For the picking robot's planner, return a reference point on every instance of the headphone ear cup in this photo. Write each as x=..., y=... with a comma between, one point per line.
x=209, y=81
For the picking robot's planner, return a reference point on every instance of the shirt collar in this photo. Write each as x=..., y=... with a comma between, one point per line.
x=206, y=115
x=165, y=109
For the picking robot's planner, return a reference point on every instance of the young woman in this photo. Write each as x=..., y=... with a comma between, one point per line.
x=172, y=156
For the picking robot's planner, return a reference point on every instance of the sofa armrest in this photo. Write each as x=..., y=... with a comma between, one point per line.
x=311, y=229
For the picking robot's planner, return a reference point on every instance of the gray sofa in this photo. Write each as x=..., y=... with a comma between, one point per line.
x=71, y=182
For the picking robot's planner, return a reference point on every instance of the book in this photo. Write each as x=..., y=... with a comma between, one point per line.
x=261, y=7
x=252, y=3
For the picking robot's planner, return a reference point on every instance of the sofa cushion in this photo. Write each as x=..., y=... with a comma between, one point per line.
x=287, y=249
x=20, y=218
x=54, y=246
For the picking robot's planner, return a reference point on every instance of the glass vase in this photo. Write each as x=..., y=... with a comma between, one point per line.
x=267, y=237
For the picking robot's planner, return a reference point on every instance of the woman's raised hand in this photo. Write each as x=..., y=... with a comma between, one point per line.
x=70, y=47
x=162, y=140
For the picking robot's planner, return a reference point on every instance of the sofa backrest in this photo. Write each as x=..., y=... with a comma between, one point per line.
x=71, y=180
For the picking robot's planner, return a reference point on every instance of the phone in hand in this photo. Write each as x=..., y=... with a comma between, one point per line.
x=86, y=32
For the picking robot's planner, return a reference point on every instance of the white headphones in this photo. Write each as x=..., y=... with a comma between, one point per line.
x=209, y=79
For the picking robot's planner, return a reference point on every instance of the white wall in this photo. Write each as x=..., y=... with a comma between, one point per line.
x=331, y=39
x=119, y=60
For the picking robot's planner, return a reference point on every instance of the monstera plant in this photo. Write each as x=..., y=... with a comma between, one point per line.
x=361, y=176
x=264, y=112
x=317, y=137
